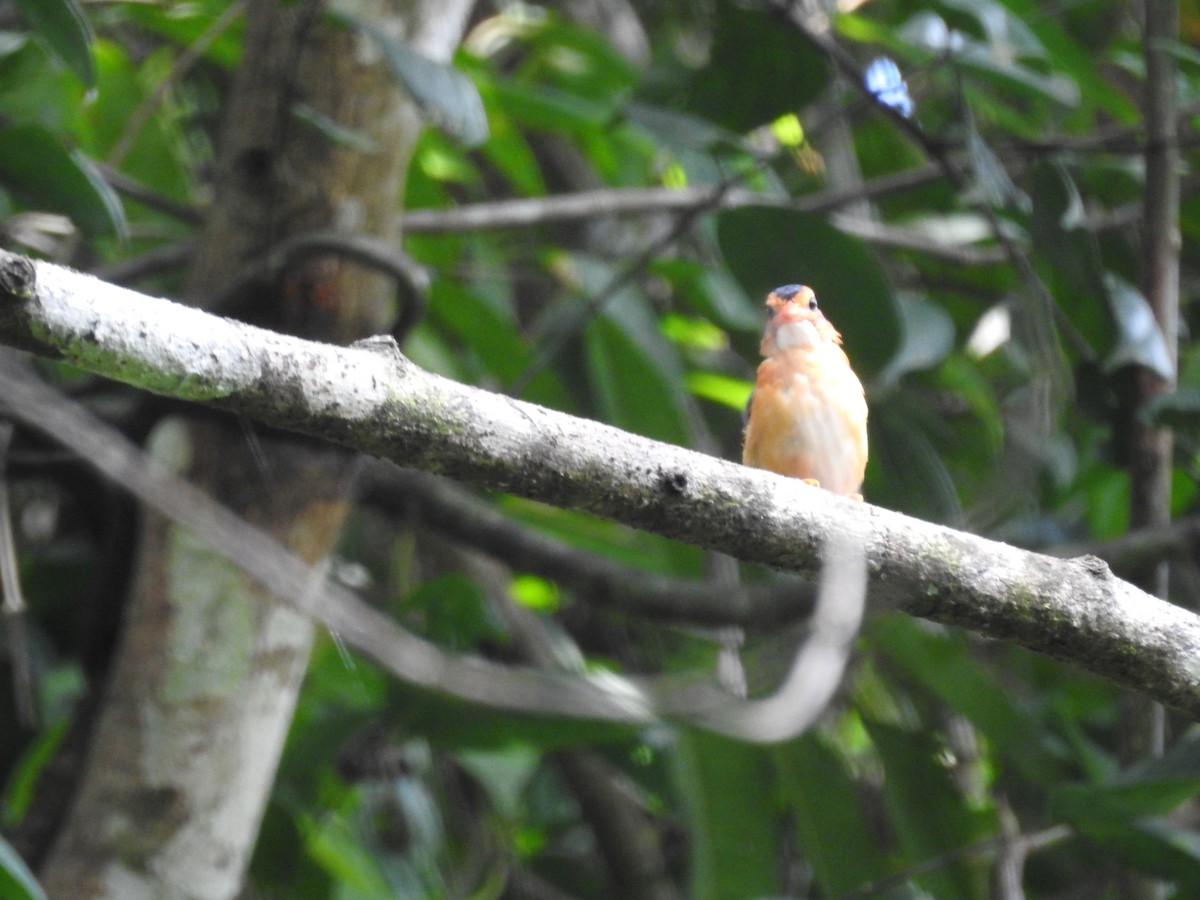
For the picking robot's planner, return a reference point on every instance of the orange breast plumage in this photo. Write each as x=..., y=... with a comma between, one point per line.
x=808, y=413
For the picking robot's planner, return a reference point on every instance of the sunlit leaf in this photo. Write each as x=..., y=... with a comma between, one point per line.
x=732, y=392
x=693, y=333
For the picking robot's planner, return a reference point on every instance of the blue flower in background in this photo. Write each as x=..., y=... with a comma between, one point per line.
x=883, y=79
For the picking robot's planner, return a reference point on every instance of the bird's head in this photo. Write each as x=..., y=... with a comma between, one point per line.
x=796, y=321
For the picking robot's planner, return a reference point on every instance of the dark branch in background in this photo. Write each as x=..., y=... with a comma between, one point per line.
x=165, y=260
x=13, y=604
x=1143, y=722
x=151, y=198
x=1144, y=548
x=445, y=507
x=381, y=404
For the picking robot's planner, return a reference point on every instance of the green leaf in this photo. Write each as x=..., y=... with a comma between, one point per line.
x=162, y=154
x=35, y=164
x=486, y=328
x=446, y=95
x=504, y=772
x=634, y=370
x=991, y=183
x=1074, y=60
x=727, y=789
x=676, y=130
x=1068, y=258
x=712, y=293
x=191, y=24
x=23, y=776
x=834, y=831
x=16, y=880
x=66, y=30
x=1054, y=87
x=577, y=60
x=1124, y=815
x=927, y=336
x=941, y=662
x=929, y=814
x=905, y=470
x=454, y=611
x=551, y=109
x=1155, y=847
x=765, y=247
x=1154, y=786
x=732, y=392
x=757, y=70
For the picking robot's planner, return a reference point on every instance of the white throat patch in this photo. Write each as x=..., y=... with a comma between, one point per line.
x=796, y=334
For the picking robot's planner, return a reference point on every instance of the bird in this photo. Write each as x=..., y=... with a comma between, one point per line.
x=807, y=414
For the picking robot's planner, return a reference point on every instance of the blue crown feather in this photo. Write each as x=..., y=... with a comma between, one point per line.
x=885, y=83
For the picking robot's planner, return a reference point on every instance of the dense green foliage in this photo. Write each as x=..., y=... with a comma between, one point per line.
x=941, y=749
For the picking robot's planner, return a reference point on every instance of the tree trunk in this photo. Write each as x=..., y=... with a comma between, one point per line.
x=208, y=668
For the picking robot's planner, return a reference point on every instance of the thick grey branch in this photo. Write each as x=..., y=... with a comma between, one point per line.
x=382, y=404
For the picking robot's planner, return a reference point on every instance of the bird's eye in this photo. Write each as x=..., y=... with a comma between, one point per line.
x=812, y=303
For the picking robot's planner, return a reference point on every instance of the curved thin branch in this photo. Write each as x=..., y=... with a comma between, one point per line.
x=373, y=399
x=410, y=277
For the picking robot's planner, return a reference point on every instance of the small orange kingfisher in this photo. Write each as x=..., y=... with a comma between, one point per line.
x=807, y=416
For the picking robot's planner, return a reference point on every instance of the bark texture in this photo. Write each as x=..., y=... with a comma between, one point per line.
x=208, y=670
